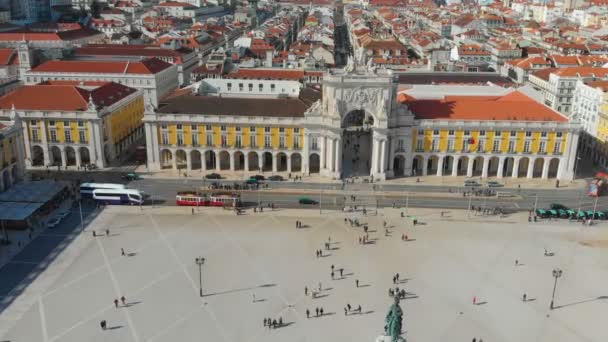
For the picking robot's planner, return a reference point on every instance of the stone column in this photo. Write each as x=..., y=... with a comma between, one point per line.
x=261, y=161
x=26, y=143
x=246, y=160
x=501, y=165
x=203, y=161
x=515, y=171
x=274, y=162
x=425, y=166
x=391, y=154
x=289, y=163
x=545, y=174
x=338, y=164
x=77, y=151
x=217, y=160
x=455, y=166
x=96, y=140
x=484, y=170
x=188, y=161
x=45, y=142
x=232, y=156
x=63, y=158
x=531, y=168
x=440, y=166
x=174, y=159
x=383, y=151
x=323, y=153
x=470, y=163
x=305, y=156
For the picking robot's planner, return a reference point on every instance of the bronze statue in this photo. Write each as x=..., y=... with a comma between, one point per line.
x=393, y=321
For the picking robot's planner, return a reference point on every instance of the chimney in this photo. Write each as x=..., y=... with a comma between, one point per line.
x=268, y=63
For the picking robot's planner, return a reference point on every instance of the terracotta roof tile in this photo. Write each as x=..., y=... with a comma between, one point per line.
x=148, y=66
x=514, y=106
x=272, y=74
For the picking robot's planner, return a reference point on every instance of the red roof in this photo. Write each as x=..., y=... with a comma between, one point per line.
x=514, y=106
x=269, y=74
x=8, y=57
x=148, y=67
x=63, y=97
x=48, y=36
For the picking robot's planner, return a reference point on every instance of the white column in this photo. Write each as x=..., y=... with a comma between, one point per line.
x=289, y=163
x=501, y=164
x=323, y=152
x=96, y=140
x=425, y=166
x=530, y=168
x=217, y=160
x=203, y=161
x=63, y=158
x=515, y=172
x=470, y=162
x=440, y=166
x=305, y=157
x=545, y=174
x=338, y=164
x=383, y=151
x=455, y=166
x=27, y=145
x=45, y=142
x=174, y=159
x=391, y=154
x=232, y=156
x=484, y=170
x=188, y=161
x=150, y=145
x=374, y=163
x=77, y=151
x=274, y=162
x=246, y=159
x=261, y=160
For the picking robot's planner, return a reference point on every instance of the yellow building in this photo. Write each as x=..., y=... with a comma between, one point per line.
x=11, y=154
x=71, y=124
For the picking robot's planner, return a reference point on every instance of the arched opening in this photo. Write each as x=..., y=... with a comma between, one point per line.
x=507, y=167
x=254, y=164
x=296, y=162
x=267, y=161
x=315, y=163
x=553, y=167
x=281, y=161
x=85, y=157
x=417, y=165
x=15, y=173
x=477, y=166
x=239, y=160
x=210, y=160
x=70, y=156
x=55, y=156
x=432, y=164
x=493, y=167
x=537, y=172
x=463, y=165
x=522, y=170
x=196, y=160
x=224, y=160
x=180, y=158
x=166, y=159
x=356, y=143
x=448, y=165
x=399, y=166
x=37, y=156
x=6, y=181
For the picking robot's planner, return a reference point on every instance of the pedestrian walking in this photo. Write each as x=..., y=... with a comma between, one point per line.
x=116, y=303
x=280, y=318
x=320, y=288
x=192, y=211
x=94, y=234
x=321, y=311
x=341, y=272
x=253, y=296
x=274, y=323
x=397, y=276
x=474, y=339
x=317, y=312
x=122, y=251
x=265, y=321
x=332, y=267
x=357, y=282
x=525, y=297
x=406, y=238
x=348, y=306
x=306, y=290
x=345, y=312
x=307, y=313
x=103, y=324
x=107, y=232
x=474, y=300
x=394, y=281
x=359, y=308
x=123, y=300
x=516, y=262
x=332, y=275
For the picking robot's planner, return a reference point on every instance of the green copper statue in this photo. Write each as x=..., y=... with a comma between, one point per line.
x=394, y=320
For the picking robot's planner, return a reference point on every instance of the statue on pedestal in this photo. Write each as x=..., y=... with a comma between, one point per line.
x=393, y=321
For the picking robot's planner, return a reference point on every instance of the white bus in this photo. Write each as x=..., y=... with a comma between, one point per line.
x=119, y=196
x=86, y=189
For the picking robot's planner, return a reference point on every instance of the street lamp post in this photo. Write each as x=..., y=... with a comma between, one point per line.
x=556, y=274
x=200, y=262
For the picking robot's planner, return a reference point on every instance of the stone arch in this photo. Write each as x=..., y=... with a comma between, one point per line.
x=55, y=156
x=267, y=161
x=281, y=161
x=196, y=159
x=399, y=165
x=254, y=164
x=463, y=165
x=70, y=156
x=210, y=160
x=493, y=166
x=358, y=119
x=296, y=162
x=507, y=167
x=478, y=166
x=315, y=163
x=432, y=165
x=37, y=156
x=166, y=159
x=417, y=165
x=239, y=160
x=85, y=156
x=181, y=159
x=448, y=165
x=553, y=167
x=524, y=163
x=539, y=163
x=224, y=160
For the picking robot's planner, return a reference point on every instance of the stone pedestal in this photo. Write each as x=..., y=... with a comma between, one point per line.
x=384, y=338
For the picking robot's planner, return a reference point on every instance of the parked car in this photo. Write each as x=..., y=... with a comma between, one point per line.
x=53, y=222
x=553, y=213
x=558, y=206
x=494, y=184
x=581, y=215
x=258, y=177
x=213, y=176
x=471, y=182
x=276, y=178
x=542, y=213
x=131, y=176
x=562, y=213
x=306, y=200
x=600, y=215
x=252, y=181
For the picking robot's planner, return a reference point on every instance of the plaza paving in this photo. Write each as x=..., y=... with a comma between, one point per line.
x=448, y=261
